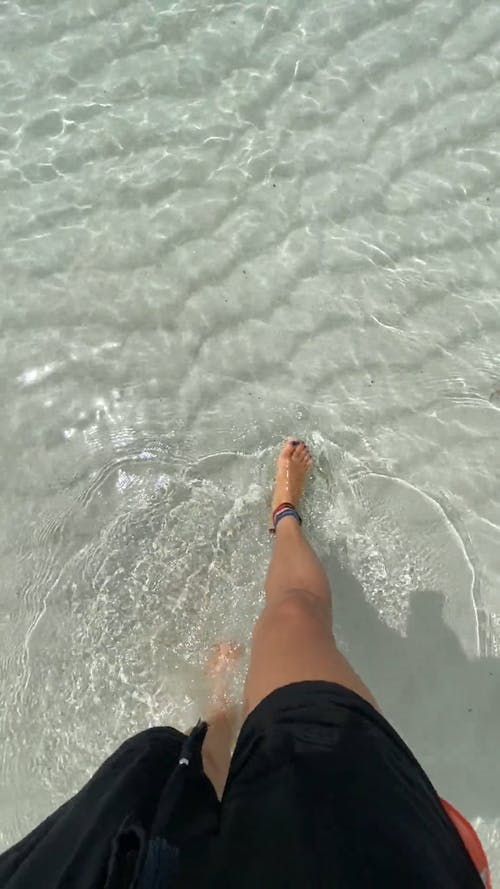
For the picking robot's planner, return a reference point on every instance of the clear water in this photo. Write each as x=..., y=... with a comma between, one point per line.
x=221, y=223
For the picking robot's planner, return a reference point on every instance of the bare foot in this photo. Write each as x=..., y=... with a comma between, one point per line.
x=222, y=716
x=220, y=666
x=294, y=462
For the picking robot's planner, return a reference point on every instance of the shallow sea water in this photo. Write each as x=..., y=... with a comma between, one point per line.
x=223, y=223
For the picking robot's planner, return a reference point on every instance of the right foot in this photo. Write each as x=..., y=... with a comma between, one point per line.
x=294, y=462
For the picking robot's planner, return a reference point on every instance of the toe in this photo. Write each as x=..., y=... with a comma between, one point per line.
x=299, y=452
x=288, y=448
x=305, y=457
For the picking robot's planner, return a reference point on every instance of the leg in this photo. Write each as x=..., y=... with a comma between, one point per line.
x=293, y=639
x=221, y=716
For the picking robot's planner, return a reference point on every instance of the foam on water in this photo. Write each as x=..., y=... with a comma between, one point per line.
x=222, y=223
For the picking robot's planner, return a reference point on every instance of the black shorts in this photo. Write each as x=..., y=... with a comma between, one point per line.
x=322, y=792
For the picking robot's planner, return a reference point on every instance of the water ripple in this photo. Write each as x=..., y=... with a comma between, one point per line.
x=221, y=223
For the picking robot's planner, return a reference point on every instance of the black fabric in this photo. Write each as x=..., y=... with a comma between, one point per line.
x=322, y=792
x=100, y=839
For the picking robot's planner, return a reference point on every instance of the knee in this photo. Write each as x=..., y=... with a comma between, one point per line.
x=298, y=607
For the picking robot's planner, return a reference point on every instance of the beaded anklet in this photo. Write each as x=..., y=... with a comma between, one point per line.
x=280, y=512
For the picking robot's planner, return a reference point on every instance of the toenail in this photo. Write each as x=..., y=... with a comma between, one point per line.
x=295, y=443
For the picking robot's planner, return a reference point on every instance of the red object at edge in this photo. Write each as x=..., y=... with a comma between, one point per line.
x=471, y=842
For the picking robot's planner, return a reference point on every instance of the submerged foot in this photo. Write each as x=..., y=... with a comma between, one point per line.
x=220, y=669
x=294, y=462
x=221, y=715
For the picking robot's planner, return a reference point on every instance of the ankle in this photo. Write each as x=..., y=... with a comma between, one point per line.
x=288, y=524
x=282, y=512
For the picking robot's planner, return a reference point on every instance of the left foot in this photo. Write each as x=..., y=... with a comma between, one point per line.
x=222, y=716
x=220, y=666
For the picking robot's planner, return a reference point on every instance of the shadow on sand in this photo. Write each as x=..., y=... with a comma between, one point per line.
x=445, y=706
